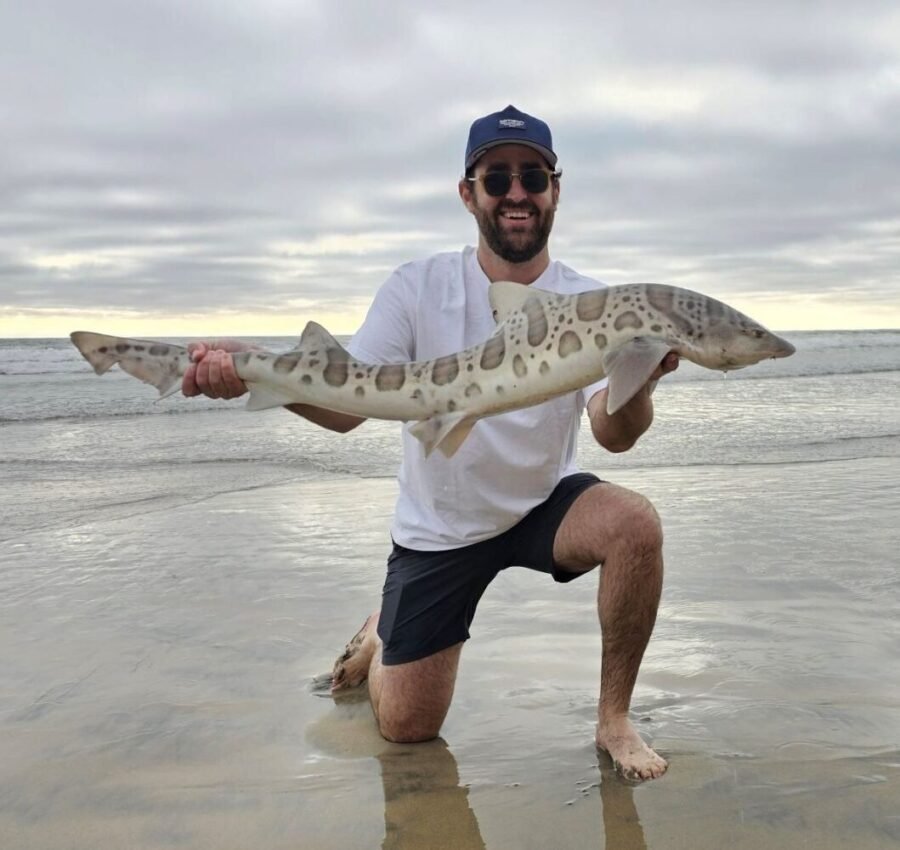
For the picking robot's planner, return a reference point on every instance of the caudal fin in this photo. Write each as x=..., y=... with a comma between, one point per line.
x=158, y=363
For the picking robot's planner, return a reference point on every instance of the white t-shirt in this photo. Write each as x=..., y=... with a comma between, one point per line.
x=510, y=462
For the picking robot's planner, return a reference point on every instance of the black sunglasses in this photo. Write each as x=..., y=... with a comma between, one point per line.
x=533, y=180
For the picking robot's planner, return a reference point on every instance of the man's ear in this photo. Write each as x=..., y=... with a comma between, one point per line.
x=465, y=193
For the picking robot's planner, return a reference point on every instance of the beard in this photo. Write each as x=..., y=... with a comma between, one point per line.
x=515, y=247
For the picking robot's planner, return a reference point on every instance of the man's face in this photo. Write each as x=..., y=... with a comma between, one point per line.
x=515, y=226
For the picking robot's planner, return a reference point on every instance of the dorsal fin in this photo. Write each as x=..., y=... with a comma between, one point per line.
x=315, y=336
x=507, y=297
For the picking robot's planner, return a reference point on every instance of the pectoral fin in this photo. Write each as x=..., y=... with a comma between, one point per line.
x=445, y=432
x=263, y=397
x=629, y=367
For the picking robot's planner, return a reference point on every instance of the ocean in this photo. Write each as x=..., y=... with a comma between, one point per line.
x=836, y=398
x=175, y=574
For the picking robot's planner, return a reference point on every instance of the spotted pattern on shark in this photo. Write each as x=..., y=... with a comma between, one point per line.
x=537, y=321
x=545, y=345
x=589, y=306
x=520, y=367
x=337, y=370
x=569, y=343
x=493, y=353
x=445, y=370
x=390, y=378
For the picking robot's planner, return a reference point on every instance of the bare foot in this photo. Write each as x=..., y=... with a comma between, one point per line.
x=352, y=667
x=632, y=758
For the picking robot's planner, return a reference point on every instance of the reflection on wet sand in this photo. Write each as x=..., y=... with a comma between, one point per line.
x=621, y=824
x=150, y=697
x=424, y=804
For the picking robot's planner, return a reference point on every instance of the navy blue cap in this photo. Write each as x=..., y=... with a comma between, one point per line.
x=509, y=127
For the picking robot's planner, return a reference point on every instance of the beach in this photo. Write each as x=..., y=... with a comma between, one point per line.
x=175, y=581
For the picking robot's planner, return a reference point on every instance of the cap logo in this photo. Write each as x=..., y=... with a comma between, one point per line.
x=512, y=123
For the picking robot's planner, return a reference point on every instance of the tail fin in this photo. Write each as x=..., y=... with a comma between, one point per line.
x=158, y=363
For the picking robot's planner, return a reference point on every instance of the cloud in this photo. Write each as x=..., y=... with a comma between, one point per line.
x=216, y=158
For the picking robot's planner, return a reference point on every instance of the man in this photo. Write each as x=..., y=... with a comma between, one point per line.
x=511, y=495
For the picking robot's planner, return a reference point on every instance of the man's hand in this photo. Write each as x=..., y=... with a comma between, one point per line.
x=212, y=374
x=212, y=371
x=619, y=432
x=669, y=364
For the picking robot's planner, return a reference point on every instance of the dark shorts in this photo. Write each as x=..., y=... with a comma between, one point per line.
x=429, y=598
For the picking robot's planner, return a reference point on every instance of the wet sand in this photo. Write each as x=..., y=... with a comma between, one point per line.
x=156, y=679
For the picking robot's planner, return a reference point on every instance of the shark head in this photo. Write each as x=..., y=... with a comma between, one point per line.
x=733, y=341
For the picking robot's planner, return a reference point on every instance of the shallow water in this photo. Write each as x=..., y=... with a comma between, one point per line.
x=156, y=684
x=174, y=577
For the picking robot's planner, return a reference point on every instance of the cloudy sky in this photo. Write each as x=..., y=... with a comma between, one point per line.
x=194, y=168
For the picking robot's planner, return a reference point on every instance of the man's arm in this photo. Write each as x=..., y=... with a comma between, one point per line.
x=386, y=336
x=619, y=432
x=212, y=373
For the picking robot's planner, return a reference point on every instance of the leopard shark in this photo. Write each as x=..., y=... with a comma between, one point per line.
x=544, y=345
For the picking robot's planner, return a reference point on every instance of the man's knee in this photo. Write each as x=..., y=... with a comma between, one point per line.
x=409, y=728
x=639, y=523
x=627, y=516
x=414, y=698
x=606, y=521
x=413, y=717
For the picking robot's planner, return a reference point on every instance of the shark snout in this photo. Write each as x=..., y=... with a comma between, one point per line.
x=781, y=347
x=726, y=346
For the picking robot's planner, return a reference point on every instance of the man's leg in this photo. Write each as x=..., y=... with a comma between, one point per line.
x=410, y=700
x=620, y=530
